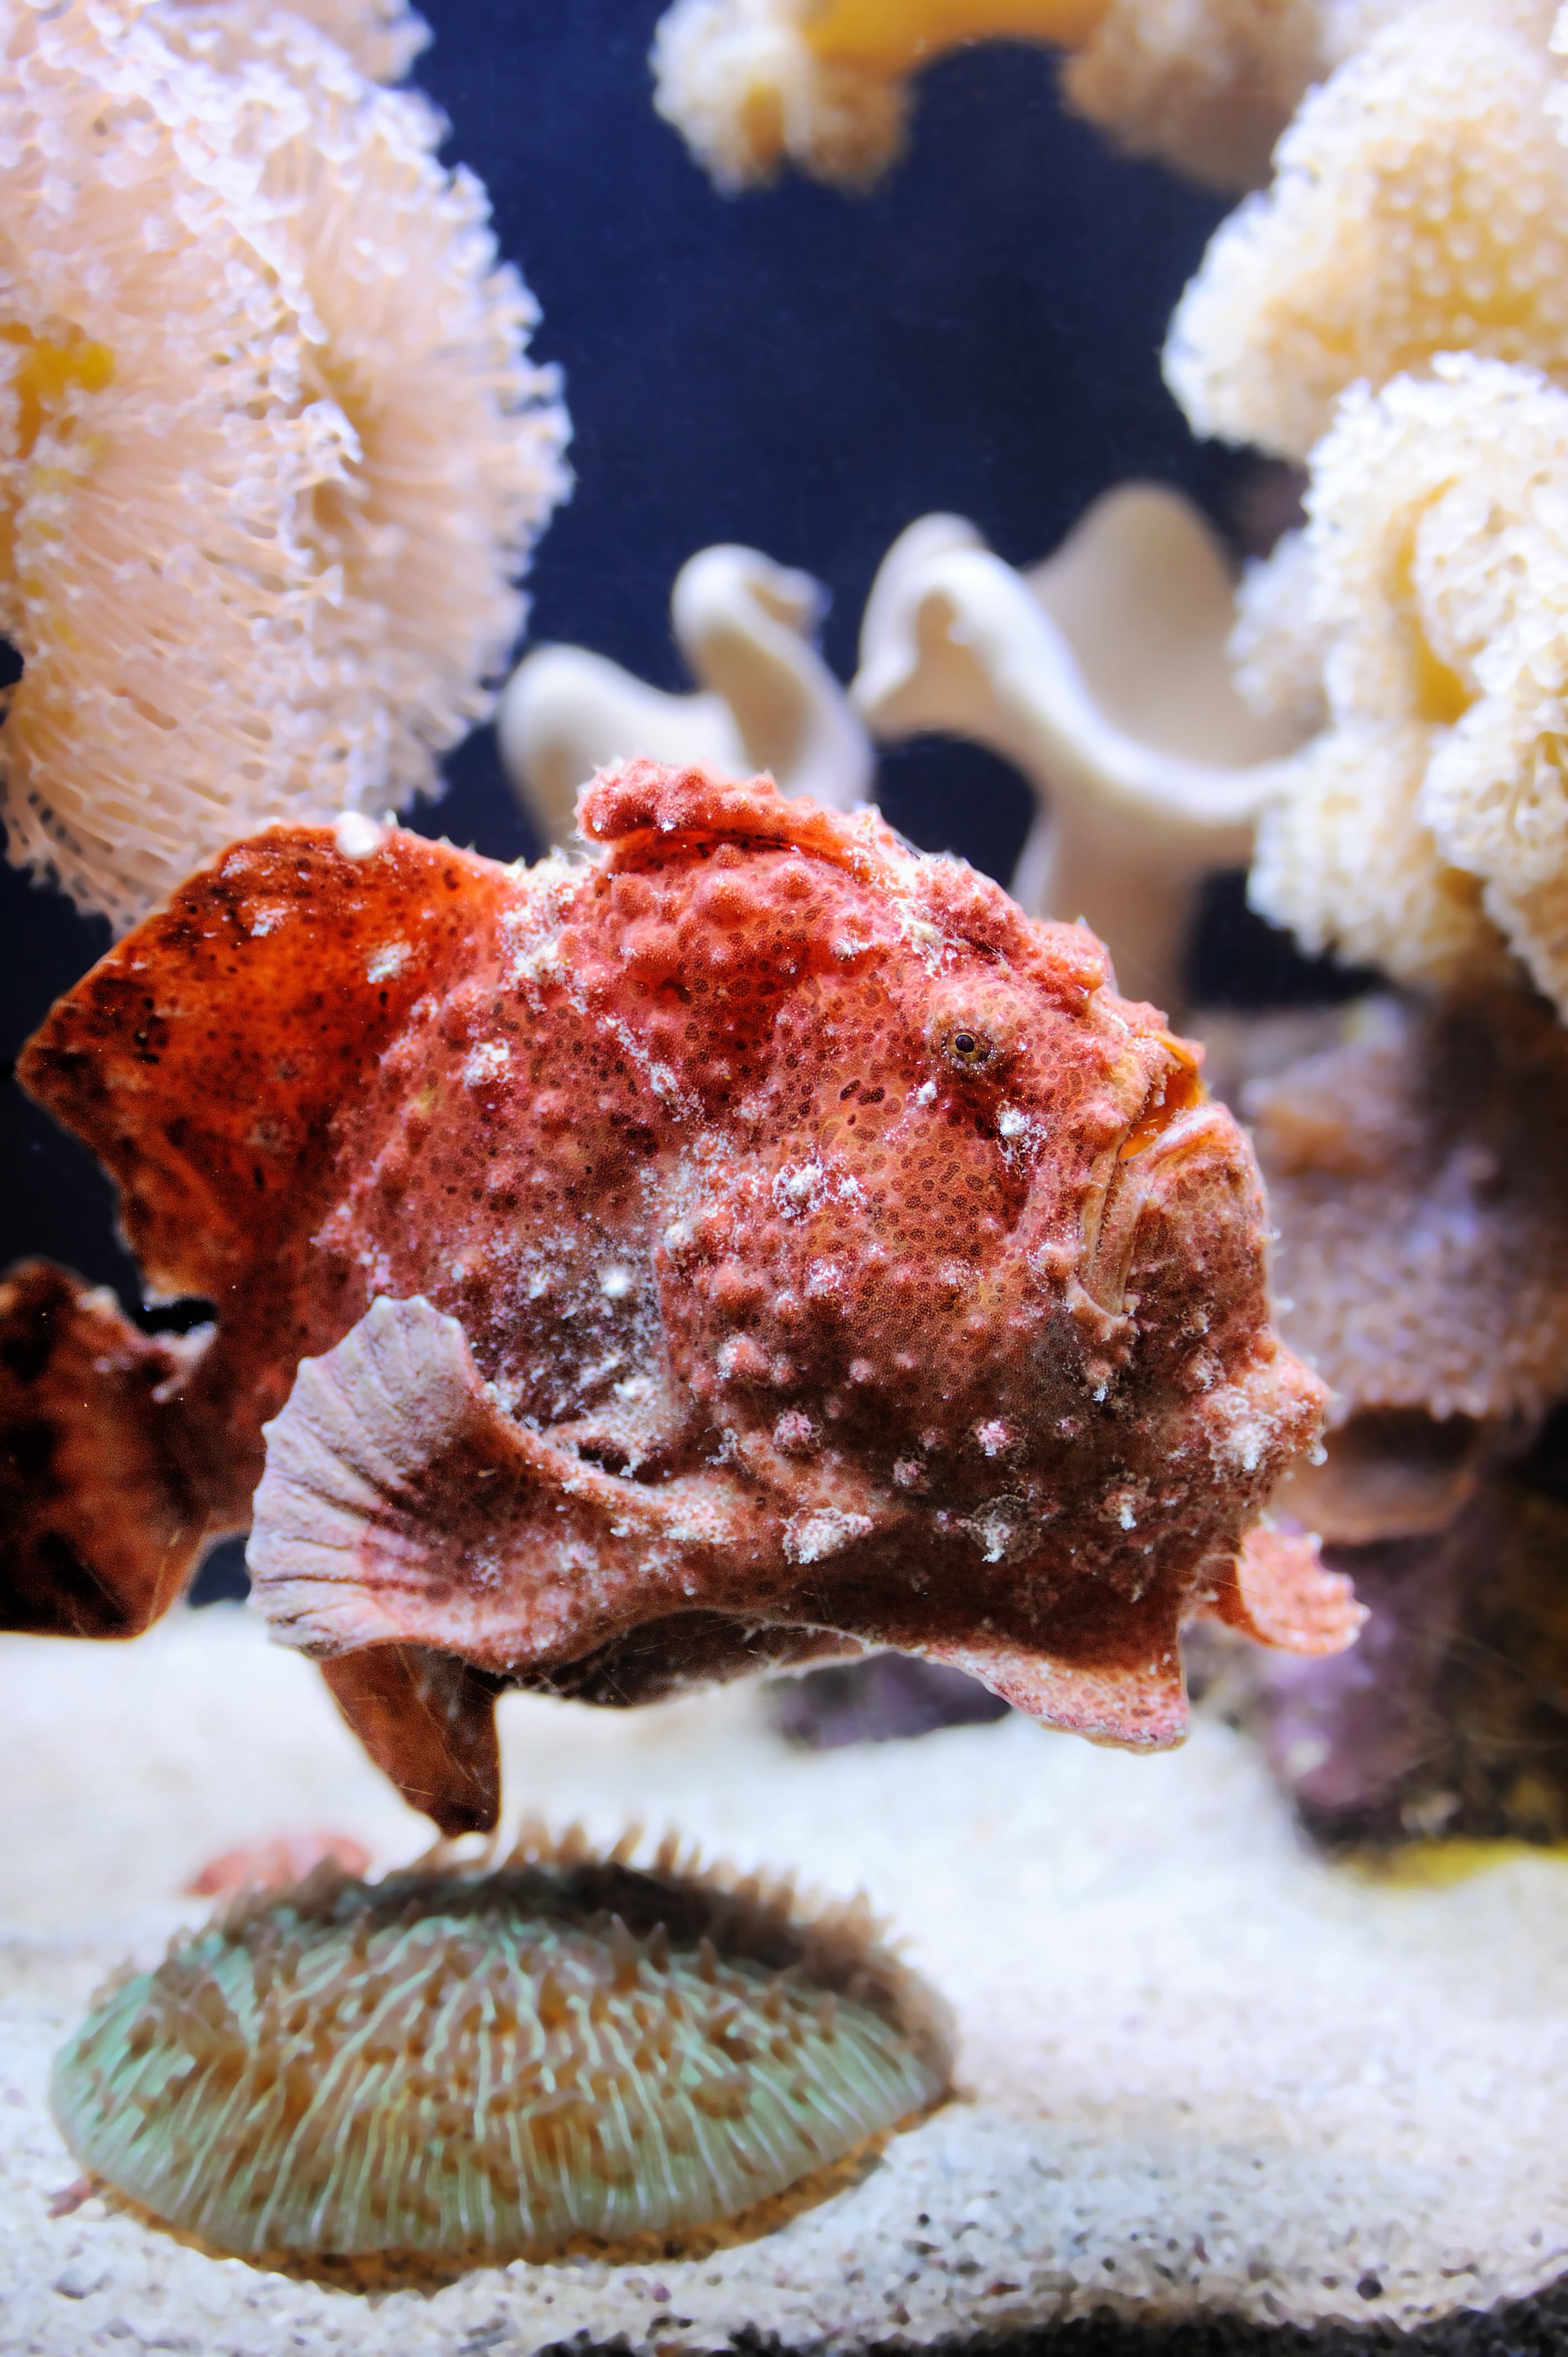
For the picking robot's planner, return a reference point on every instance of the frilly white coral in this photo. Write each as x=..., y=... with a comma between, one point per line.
x=742, y=83
x=1206, y=85
x=767, y=700
x=1345, y=862
x=1425, y=828
x=1103, y=676
x=1420, y=205
x=380, y=38
x=259, y=508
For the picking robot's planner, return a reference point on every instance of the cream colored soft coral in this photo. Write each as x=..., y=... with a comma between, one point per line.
x=747, y=92
x=1425, y=828
x=1206, y=85
x=381, y=37
x=1420, y=205
x=271, y=453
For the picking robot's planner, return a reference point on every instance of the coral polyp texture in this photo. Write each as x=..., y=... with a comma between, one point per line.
x=1412, y=1157
x=752, y=84
x=261, y=513
x=380, y=38
x=1425, y=827
x=1420, y=205
x=758, y=1243
x=453, y=2063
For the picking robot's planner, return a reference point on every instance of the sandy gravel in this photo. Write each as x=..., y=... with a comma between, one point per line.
x=1199, y=2073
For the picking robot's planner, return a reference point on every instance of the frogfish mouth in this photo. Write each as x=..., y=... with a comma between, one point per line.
x=746, y=1244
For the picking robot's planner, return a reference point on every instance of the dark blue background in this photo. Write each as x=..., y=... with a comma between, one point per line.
x=798, y=369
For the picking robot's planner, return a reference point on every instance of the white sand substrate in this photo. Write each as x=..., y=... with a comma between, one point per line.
x=1199, y=2072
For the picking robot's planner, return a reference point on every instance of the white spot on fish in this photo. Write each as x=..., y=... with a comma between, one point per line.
x=357, y=837
x=386, y=961
x=487, y=1061
x=993, y=1530
x=827, y=1530
x=798, y=1188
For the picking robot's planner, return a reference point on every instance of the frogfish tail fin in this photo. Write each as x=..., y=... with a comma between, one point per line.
x=102, y=1519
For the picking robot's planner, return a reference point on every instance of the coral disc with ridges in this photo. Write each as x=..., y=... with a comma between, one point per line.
x=454, y=2061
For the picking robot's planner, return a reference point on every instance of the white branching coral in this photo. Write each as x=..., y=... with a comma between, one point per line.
x=1102, y=675
x=765, y=699
x=272, y=453
x=1420, y=205
x=1206, y=85
x=1425, y=828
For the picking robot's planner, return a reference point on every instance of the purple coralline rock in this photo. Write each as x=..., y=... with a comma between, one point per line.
x=1450, y=1716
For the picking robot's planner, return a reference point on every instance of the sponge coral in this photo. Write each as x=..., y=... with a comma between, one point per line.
x=1419, y=206
x=1205, y=84
x=1425, y=828
x=259, y=510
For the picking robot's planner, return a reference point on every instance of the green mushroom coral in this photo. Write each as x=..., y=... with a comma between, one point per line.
x=456, y=2062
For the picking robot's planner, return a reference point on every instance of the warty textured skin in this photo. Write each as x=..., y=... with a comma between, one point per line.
x=761, y=1242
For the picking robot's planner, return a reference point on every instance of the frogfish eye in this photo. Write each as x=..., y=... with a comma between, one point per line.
x=968, y=1047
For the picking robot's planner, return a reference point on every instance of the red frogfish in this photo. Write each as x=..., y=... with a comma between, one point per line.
x=756, y=1242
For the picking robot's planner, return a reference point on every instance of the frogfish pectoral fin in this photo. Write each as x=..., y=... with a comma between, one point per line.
x=1280, y=1593
x=101, y=1522
x=428, y=1721
x=387, y=1513
x=403, y=1514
